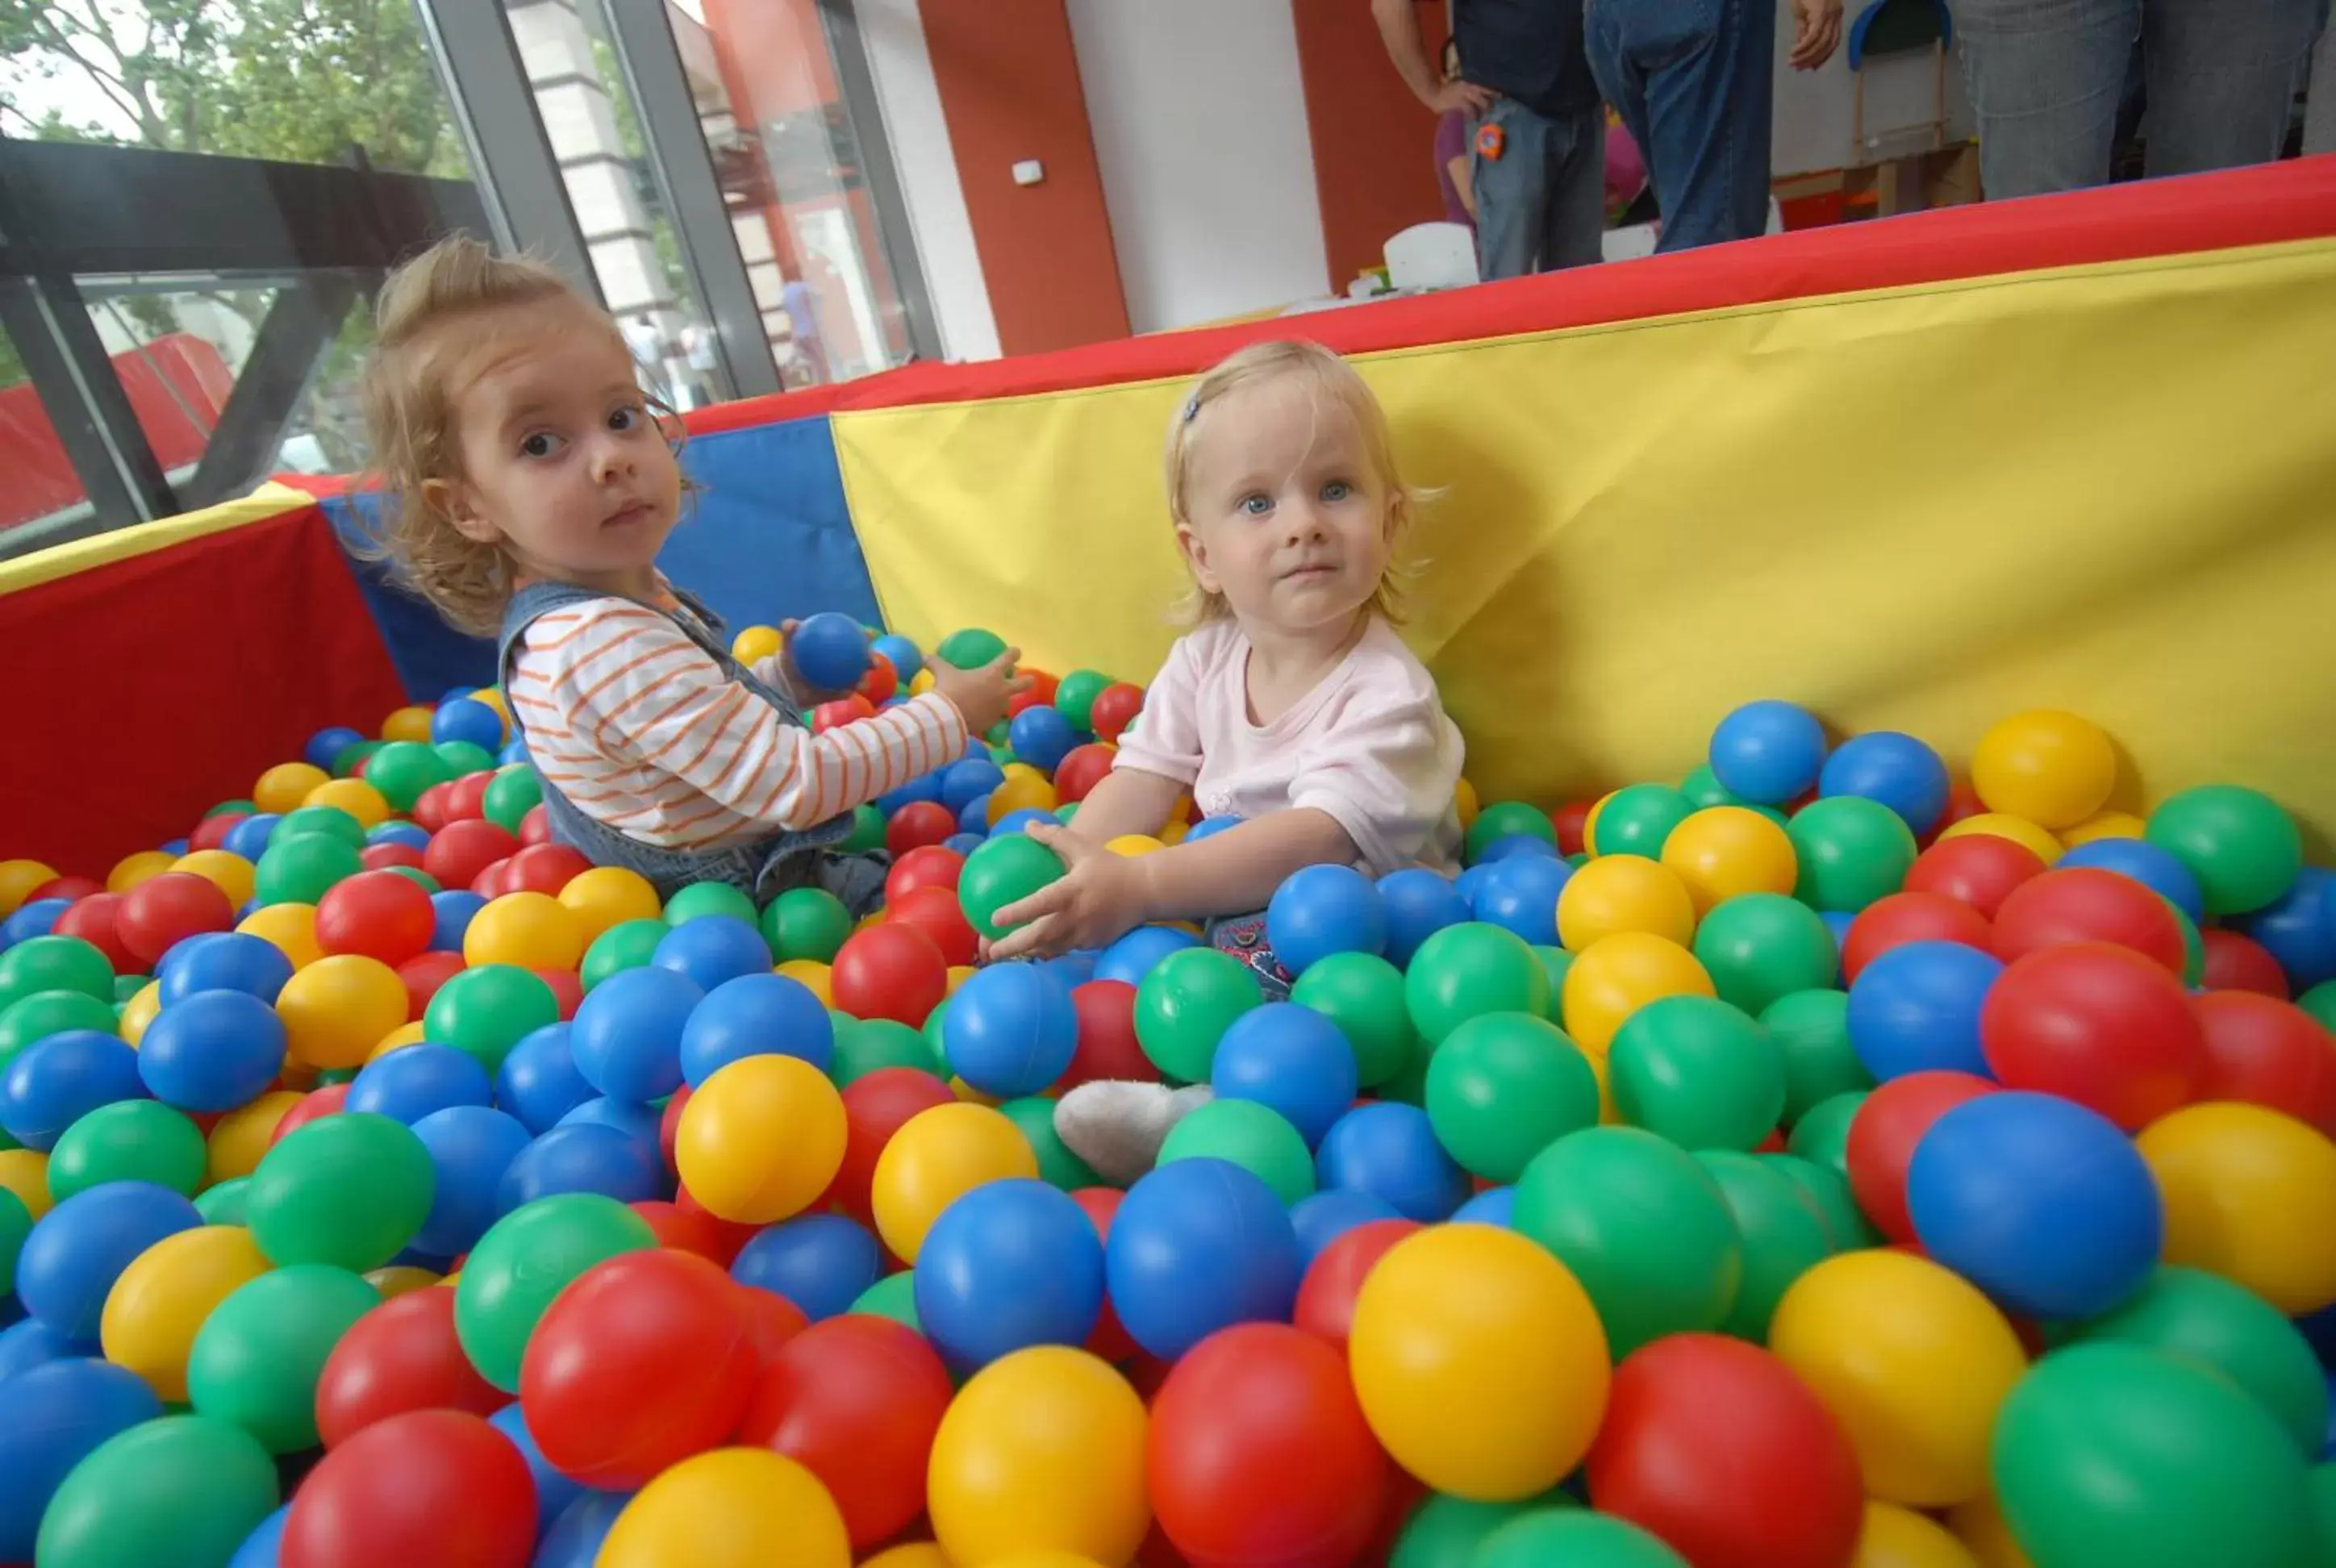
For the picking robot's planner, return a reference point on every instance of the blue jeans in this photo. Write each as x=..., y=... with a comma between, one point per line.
x=1694, y=81
x=1541, y=204
x=2044, y=77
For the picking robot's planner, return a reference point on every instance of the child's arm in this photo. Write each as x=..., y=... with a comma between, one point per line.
x=1129, y=799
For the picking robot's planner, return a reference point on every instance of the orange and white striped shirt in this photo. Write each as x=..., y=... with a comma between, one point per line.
x=641, y=730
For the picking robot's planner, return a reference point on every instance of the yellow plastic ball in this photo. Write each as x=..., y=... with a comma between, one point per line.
x=137, y=1013
x=729, y=1508
x=161, y=1298
x=1182, y=812
x=18, y=879
x=1602, y=1069
x=1174, y=833
x=1045, y=1560
x=761, y=1139
x=230, y=873
x=1723, y=852
x=2107, y=825
x=1041, y=1451
x=2019, y=830
x=873, y=917
x=533, y=930
x=958, y=975
x=286, y=786
x=1623, y=893
x=971, y=1096
x=608, y=896
x=398, y=1279
x=1911, y=1360
x=337, y=1010
x=292, y=927
x=410, y=724
x=920, y=683
x=131, y=870
x=398, y=1039
x=1590, y=823
x=240, y=1137
x=493, y=698
x=755, y=644
x=1479, y=1361
x=355, y=796
x=1614, y=977
x=1026, y=791
x=1895, y=1537
x=1980, y=1526
x=1465, y=803
x=814, y=976
x=1130, y=845
x=937, y=1158
x=2051, y=767
x=2249, y=1194
x=915, y=1553
x=25, y=1172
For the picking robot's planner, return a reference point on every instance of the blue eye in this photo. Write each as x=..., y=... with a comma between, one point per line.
x=540, y=444
x=1338, y=490
x=1257, y=505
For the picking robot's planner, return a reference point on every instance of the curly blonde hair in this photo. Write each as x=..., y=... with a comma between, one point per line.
x=1329, y=379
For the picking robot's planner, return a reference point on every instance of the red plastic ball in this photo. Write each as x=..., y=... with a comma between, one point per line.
x=382, y=856
x=2097, y=1024
x=734, y=1235
x=1883, y=1135
x=315, y=1103
x=424, y=973
x=1109, y=1338
x=930, y=866
x=70, y=889
x=643, y=1360
x=1571, y=822
x=567, y=990
x=1260, y=1456
x=918, y=824
x=842, y=711
x=1082, y=768
x=1022, y=701
x=936, y=912
x=1113, y=709
x=875, y=1106
x=1326, y=1297
x=1041, y=686
x=2087, y=904
x=494, y=881
x=855, y=1400
x=535, y=828
x=436, y=1486
x=1963, y=802
x=169, y=908
x=669, y=1125
x=379, y=914
x=97, y=921
x=880, y=681
x=1978, y=868
x=2240, y=963
x=460, y=851
x=429, y=813
x=771, y=1319
x=466, y=797
x=2265, y=1051
x=400, y=1357
x=1715, y=1446
x=545, y=869
x=1108, y=1047
x=210, y=833
x=890, y=971
x=1902, y=918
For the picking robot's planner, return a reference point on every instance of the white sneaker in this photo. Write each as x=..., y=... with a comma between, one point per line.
x=1118, y=1127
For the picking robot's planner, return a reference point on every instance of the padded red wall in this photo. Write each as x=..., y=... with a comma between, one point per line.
x=1374, y=142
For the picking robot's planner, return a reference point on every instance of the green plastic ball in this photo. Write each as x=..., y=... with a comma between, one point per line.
x=1409, y=1086
x=627, y=945
x=1545, y=1538
x=330, y=820
x=2244, y=848
x=1507, y=819
x=865, y=1046
x=1758, y=947
x=2320, y=1001
x=483, y=1012
x=1852, y=852
x=1255, y=1137
x=970, y=648
x=2193, y=946
x=223, y=1204
x=302, y=869
x=1183, y=1007
x=999, y=872
x=1703, y=789
x=46, y=1013
x=349, y=1191
x=256, y=1358
x=1469, y=970
x=350, y=759
x=464, y=757
x=125, y=987
x=418, y=877
x=1362, y=993
x=515, y=791
x=1785, y=1236
x=1646, y=1229
x=1502, y=1088
x=1698, y=1072
x=1846, y=1223
x=2217, y=1323
x=1556, y=963
x=179, y=1489
x=895, y=1297
x=867, y=831
x=527, y=1258
x=1811, y=1032
x=1075, y=697
x=1444, y=1531
x=53, y=963
x=1636, y=820
x=403, y=770
x=15, y=1225
x=128, y=1141
x=1821, y=1135
x=805, y=923
x=1057, y=1166
x=699, y=899
x=2113, y=1453
x=232, y=808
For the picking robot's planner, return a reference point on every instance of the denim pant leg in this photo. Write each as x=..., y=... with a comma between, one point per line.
x=1694, y=81
x=2223, y=76
x=2044, y=78
x=1512, y=195
x=1573, y=222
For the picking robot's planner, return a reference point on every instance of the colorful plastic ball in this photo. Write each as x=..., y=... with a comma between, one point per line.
x=1335, y=1272
x=626, y=1038
x=1910, y=917
x=470, y=1149
x=337, y=1009
x=1576, y=1538
x=407, y=1085
x=1639, y=820
x=1464, y=971
x=213, y=1051
x=1007, y=868
x=1416, y=903
x=2097, y=1024
x=1011, y=1029
x=1916, y=1009
x=821, y=1264
x=1623, y=893
x=1698, y=1072
x=2051, y=767
x=53, y=1081
x=1391, y=1151
x=1113, y=709
x=438, y=1485
x=1883, y=1131
x=1199, y=1244
x=225, y=962
x=1251, y=1135
x=2152, y=865
x=93, y=919
x=58, y=1414
x=349, y=1190
x=1321, y=1218
x=1185, y=1004
x=468, y=720
x=2244, y=850
x=2299, y=929
x=523, y=1263
x=1767, y=752
x=1042, y=736
x=77, y=1250
x=1324, y=910
x=1506, y=819
x=1615, y=976
x=130, y=1140
x=1896, y=770
x=1786, y=1233
x=2020, y=831
x=1851, y=852
x=1502, y=1088
x=754, y=1015
x=760, y=1138
x=36, y=917
x=1008, y=1265
x=2249, y=1194
x=581, y=1158
x=1042, y=1451
x=1725, y=851
x=2089, y=904
x=1977, y=869
x=2266, y=1052
x=1521, y=895
x=538, y=1082
x=890, y=971
x=178, y=1489
x=258, y=1357
x=166, y=910
x=1291, y=1059
x=1134, y=956
x=400, y=1355
x=1758, y=947
x=831, y=651
x=1363, y=996
x=161, y=1298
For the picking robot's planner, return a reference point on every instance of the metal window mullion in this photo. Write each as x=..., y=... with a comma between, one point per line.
x=856, y=80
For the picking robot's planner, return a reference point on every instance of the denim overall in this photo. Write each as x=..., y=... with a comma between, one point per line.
x=762, y=869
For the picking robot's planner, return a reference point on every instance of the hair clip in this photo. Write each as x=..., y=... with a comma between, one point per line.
x=1191, y=407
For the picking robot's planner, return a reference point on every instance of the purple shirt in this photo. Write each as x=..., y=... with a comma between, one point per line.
x=1451, y=141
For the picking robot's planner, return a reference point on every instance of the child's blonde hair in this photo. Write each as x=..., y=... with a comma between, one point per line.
x=1330, y=378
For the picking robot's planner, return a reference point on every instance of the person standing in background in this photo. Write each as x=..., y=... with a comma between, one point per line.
x=1537, y=162
x=1452, y=149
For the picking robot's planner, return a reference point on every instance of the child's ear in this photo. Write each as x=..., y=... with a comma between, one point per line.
x=451, y=499
x=1196, y=556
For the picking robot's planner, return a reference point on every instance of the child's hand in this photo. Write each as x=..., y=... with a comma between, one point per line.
x=981, y=695
x=1099, y=898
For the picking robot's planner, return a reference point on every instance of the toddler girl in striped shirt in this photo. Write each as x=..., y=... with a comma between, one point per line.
x=530, y=487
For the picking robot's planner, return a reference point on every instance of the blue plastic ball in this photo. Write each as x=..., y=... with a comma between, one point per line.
x=626, y=1036
x=754, y=1015
x=1471, y=882
x=1291, y=1059
x=1209, y=827
x=831, y=651
x=35, y=919
x=1916, y=1008
x=1073, y=969
x=923, y=787
x=1010, y=1029
x=1132, y=957
x=1199, y=1245
x=54, y=1082
x=583, y=1159
x=327, y=745
x=1517, y=846
x=1897, y=770
x=2042, y=1203
x=471, y=1149
x=639, y=1122
x=1324, y=910
x=222, y=961
x=2157, y=869
x=905, y=657
x=178, y=846
x=262, y=1547
x=1418, y=904
x=963, y=843
x=1010, y=1264
x=56, y=1414
x=1838, y=923
x=78, y=1249
x=538, y=1083
x=1042, y=736
x=553, y=1490
x=1520, y=894
x=1015, y=822
x=821, y=1262
x=1390, y=1151
x=248, y=838
x=214, y=1051
x=1321, y=1218
x=412, y=835
x=28, y=1342
x=2299, y=930
x=973, y=818
x=514, y=753
x=453, y=910
x=711, y=949
x=466, y=718
x=1767, y=752
x=964, y=782
x=1493, y=1206
x=575, y=1537
x=414, y=1081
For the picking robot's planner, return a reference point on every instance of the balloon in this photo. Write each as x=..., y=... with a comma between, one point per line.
x=1041, y=1451
x=179, y=1489
x=438, y=1486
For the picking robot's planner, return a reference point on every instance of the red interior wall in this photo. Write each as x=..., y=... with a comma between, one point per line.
x=1374, y=142
x=1009, y=90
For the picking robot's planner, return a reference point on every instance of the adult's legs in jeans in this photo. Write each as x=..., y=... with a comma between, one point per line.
x=2044, y=78
x=2223, y=76
x=1693, y=80
x=1512, y=191
x=1573, y=221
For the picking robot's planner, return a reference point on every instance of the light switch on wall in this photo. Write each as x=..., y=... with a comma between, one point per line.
x=1029, y=172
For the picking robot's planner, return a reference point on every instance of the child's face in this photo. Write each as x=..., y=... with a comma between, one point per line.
x=563, y=464
x=1289, y=519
